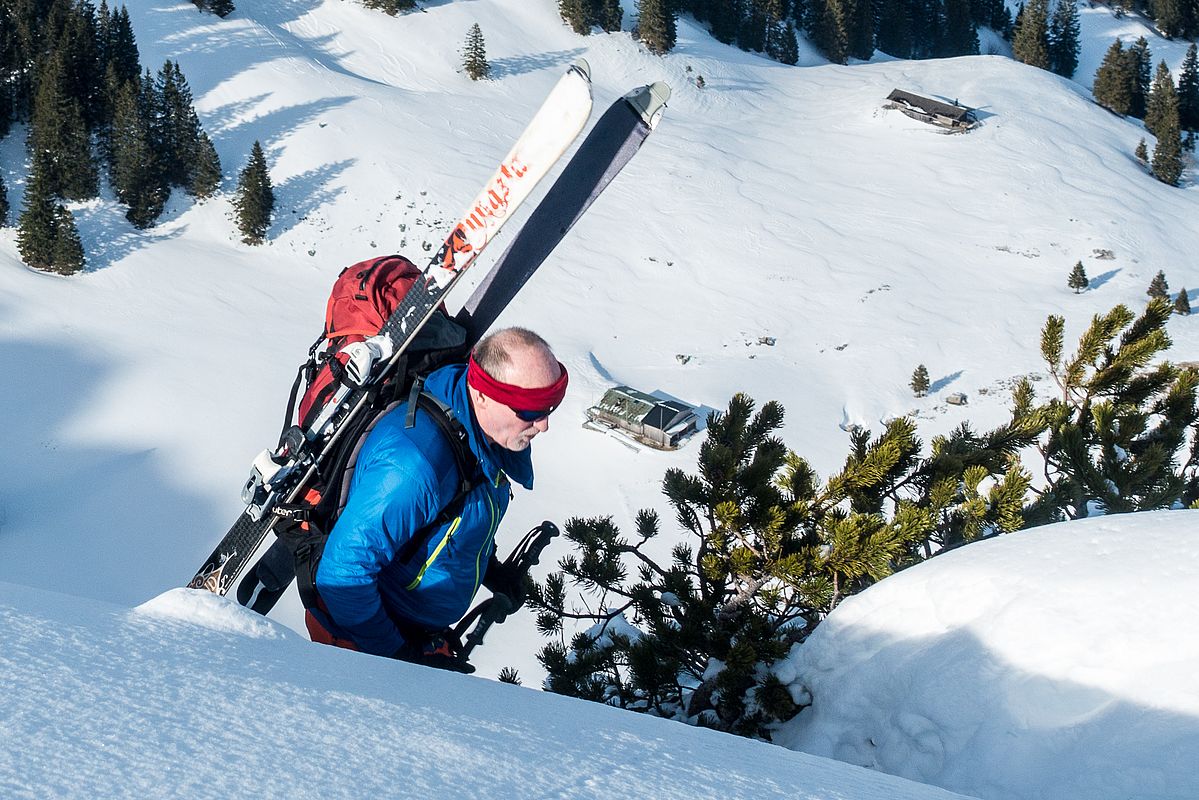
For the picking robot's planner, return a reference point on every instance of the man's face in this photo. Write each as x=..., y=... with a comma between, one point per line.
x=530, y=368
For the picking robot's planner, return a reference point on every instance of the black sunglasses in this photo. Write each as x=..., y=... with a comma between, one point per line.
x=532, y=416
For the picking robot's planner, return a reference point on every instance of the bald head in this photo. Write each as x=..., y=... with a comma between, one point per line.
x=517, y=356
x=521, y=358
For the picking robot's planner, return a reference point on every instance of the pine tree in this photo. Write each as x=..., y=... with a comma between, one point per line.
x=390, y=7
x=1030, y=42
x=751, y=33
x=1078, y=278
x=1158, y=288
x=928, y=28
x=826, y=31
x=858, y=23
x=474, y=54
x=1120, y=422
x=1167, y=156
x=35, y=230
x=1162, y=120
x=1188, y=90
x=57, y=133
x=178, y=128
x=72, y=38
x=961, y=34
x=995, y=15
x=1163, y=100
x=895, y=28
x=725, y=18
x=67, y=254
x=120, y=47
x=1142, y=152
x=222, y=8
x=576, y=14
x=1139, y=70
x=1171, y=17
x=205, y=177
x=920, y=383
x=656, y=25
x=1113, y=81
x=3, y=203
x=782, y=44
x=255, y=200
x=767, y=551
x=1063, y=38
x=609, y=15
x=1183, y=304
x=135, y=175
x=46, y=235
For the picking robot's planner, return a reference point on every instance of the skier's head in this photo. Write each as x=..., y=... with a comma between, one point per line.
x=515, y=383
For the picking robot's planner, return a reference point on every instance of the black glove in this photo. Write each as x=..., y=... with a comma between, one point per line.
x=435, y=652
x=506, y=580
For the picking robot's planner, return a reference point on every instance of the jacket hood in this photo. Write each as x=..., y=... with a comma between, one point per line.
x=448, y=384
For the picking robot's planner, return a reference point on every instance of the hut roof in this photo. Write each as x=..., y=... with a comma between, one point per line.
x=635, y=406
x=930, y=106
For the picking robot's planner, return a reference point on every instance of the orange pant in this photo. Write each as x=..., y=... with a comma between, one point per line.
x=320, y=635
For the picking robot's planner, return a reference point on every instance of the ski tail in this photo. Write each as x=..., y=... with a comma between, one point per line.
x=610, y=145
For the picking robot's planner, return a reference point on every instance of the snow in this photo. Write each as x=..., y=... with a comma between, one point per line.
x=775, y=203
x=1055, y=662
x=104, y=702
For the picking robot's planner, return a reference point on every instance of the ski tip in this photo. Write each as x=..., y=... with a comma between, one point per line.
x=582, y=67
x=649, y=101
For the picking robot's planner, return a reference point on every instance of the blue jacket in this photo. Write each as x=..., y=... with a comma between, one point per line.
x=403, y=479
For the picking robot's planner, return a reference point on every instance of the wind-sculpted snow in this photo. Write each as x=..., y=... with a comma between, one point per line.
x=213, y=612
x=98, y=702
x=1058, y=662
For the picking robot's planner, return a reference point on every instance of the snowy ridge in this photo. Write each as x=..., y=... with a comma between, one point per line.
x=102, y=702
x=1057, y=662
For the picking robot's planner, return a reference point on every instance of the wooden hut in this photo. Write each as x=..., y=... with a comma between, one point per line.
x=934, y=112
x=662, y=424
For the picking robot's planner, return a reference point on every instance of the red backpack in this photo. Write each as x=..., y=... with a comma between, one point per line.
x=363, y=297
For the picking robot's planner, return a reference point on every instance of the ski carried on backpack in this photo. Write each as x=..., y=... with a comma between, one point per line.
x=604, y=152
x=281, y=475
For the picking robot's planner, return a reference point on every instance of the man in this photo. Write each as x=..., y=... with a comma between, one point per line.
x=405, y=478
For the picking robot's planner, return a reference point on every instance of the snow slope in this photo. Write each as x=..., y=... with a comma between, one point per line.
x=189, y=695
x=1058, y=662
x=776, y=202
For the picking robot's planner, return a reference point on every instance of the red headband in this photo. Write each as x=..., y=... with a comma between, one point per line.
x=542, y=398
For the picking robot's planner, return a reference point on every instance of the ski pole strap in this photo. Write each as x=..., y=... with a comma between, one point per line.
x=471, y=629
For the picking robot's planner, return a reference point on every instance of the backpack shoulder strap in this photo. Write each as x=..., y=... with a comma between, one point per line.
x=467, y=464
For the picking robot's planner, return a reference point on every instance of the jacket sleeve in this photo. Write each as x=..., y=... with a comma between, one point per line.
x=392, y=497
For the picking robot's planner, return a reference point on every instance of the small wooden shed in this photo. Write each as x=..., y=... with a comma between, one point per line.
x=662, y=424
x=934, y=112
